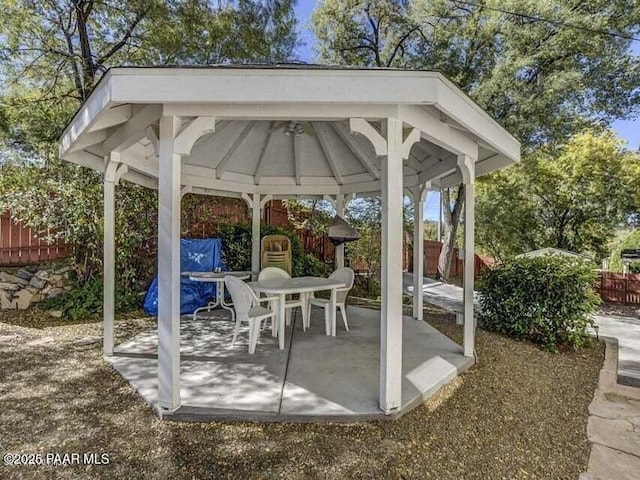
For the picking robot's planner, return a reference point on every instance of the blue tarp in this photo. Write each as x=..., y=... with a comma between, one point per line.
x=195, y=256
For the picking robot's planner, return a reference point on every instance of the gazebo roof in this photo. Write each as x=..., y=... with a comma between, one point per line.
x=284, y=130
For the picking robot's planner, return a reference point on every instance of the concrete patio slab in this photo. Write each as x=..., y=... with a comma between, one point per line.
x=627, y=332
x=443, y=295
x=314, y=378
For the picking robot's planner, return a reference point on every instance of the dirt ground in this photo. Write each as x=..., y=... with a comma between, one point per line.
x=521, y=413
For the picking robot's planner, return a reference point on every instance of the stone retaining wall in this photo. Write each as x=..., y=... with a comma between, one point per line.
x=30, y=285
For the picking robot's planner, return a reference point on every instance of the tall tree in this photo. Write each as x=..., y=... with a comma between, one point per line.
x=52, y=53
x=572, y=196
x=545, y=70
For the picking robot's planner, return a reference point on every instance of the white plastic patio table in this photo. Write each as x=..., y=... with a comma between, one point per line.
x=218, y=279
x=303, y=286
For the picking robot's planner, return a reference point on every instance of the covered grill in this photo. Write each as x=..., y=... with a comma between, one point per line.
x=341, y=232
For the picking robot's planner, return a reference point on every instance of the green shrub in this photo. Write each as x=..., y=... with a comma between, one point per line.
x=85, y=301
x=547, y=300
x=236, y=250
x=82, y=302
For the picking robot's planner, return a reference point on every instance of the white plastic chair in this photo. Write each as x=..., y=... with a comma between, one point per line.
x=247, y=308
x=346, y=276
x=275, y=273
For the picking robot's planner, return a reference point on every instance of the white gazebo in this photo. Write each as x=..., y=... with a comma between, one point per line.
x=269, y=132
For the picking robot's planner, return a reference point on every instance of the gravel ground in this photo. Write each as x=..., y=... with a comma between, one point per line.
x=521, y=413
x=620, y=310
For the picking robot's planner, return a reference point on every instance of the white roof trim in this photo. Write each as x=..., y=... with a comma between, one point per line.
x=281, y=94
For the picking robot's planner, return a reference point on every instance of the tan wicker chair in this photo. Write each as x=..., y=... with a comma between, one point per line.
x=276, y=252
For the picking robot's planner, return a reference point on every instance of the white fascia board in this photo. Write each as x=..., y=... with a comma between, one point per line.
x=280, y=112
x=111, y=117
x=438, y=132
x=141, y=179
x=99, y=101
x=459, y=107
x=234, y=85
x=85, y=159
x=370, y=186
x=318, y=181
x=491, y=164
x=216, y=193
x=297, y=190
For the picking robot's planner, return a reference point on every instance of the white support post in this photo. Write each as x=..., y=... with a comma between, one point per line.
x=396, y=148
x=419, y=195
x=467, y=168
x=340, y=205
x=391, y=331
x=108, y=281
x=255, y=233
x=112, y=173
x=169, y=266
x=256, y=204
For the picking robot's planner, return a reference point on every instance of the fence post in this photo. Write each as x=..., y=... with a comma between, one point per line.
x=626, y=289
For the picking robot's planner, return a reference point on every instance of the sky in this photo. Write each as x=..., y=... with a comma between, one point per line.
x=628, y=130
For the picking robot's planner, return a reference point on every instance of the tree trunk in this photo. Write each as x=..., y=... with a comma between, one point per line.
x=83, y=10
x=451, y=220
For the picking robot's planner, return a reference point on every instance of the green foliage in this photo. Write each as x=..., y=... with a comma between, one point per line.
x=632, y=240
x=315, y=215
x=61, y=200
x=546, y=300
x=85, y=301
x=236, y=250
x=51, y=56
x=366, y=286
x=365, y=255
x=570, y=196
x=80, y=303
x=542, y=81
x=52, y=53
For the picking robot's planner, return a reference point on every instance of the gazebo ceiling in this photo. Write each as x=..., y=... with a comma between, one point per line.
x=284, y=131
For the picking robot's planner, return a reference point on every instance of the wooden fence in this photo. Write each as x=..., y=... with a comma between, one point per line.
x=432, y=251
x=20, y=245
x=619, y=288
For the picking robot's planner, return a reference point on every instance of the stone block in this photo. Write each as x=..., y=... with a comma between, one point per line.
x=62, y=271
x=23, y=299
x=24, y=274
x=6, y=301
x=55, y=292
x=10, y=287
x=56, y=280
x=37, y=282
x=43, y=274
x=8, y=278
x=620, y=434
x=610, y=463
x=55, y=313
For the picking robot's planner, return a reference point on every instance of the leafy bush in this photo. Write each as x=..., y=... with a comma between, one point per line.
x=85, y=301
x=236, y=250
x=547, y=300
x=366, y=286
x=82, y=302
